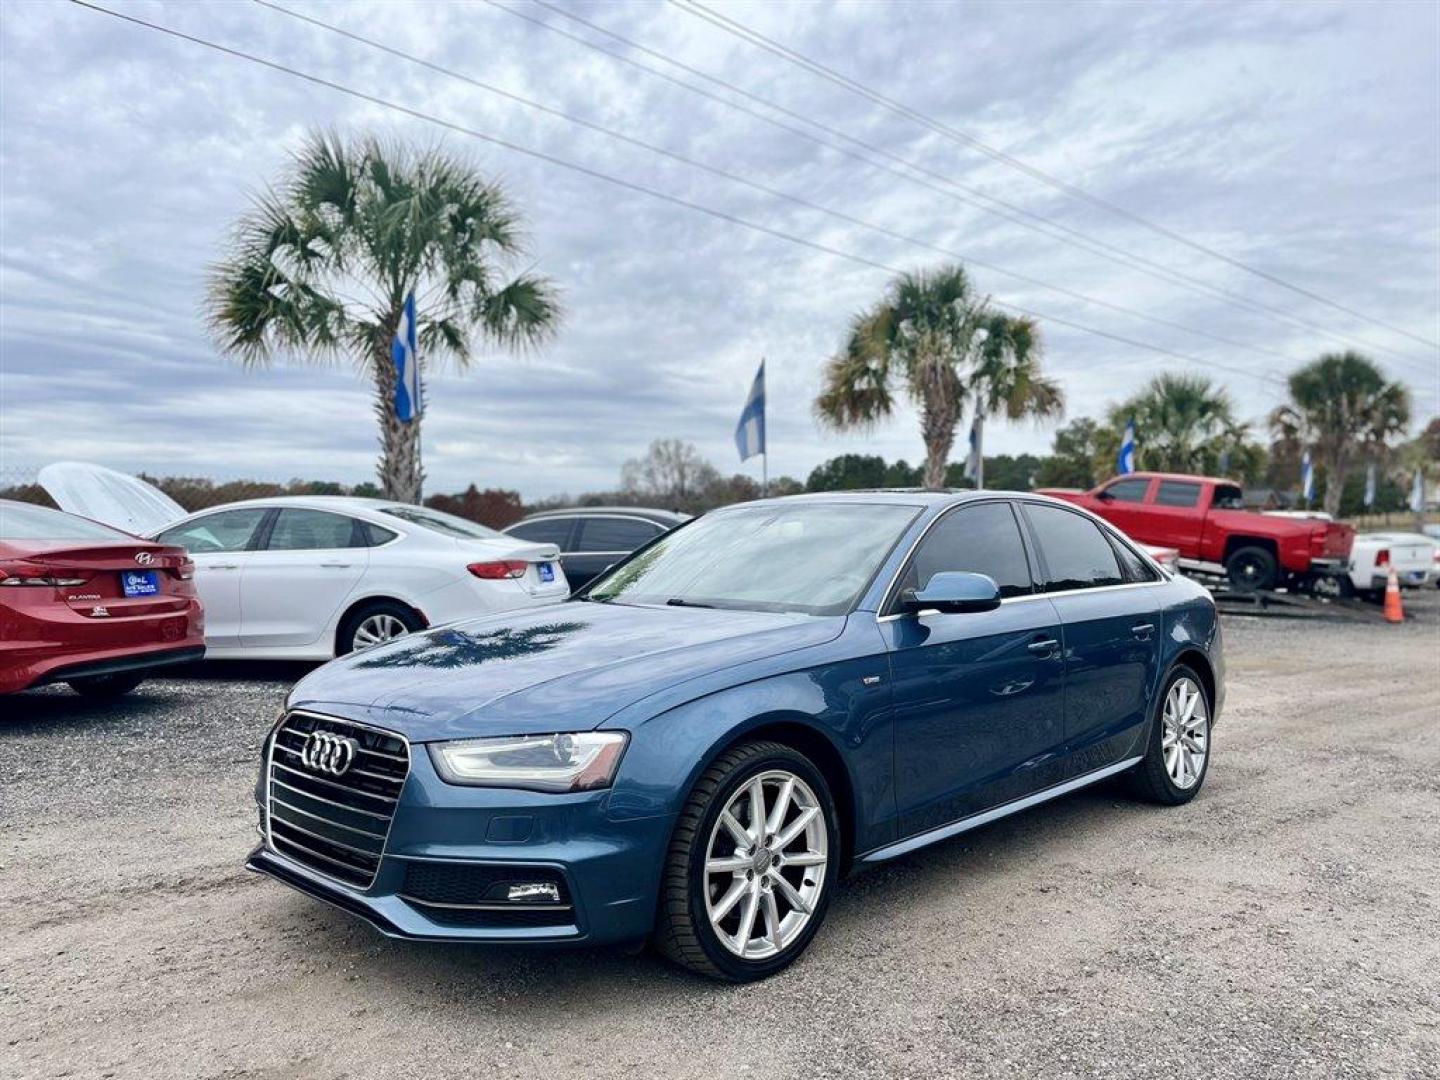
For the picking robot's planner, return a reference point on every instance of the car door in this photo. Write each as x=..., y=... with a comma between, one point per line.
x=220, y=544
x=1110, y=625
x=307, y=563
x=603, y=541
x=977, y=697
x=1176, y=516
x=1124, y=505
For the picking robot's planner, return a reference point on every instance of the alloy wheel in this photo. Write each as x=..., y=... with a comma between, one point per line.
x=1185, y=737
x=765, y=864
x=374, y=629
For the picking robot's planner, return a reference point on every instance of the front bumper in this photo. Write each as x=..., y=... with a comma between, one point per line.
x=608, y=871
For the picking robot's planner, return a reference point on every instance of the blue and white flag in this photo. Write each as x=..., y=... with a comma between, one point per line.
x=975, y=462
x=408, y=401
x=1370, y=482
x=1307, y=478
x=1125, y=463
x=1417, y=493
x=750, y=431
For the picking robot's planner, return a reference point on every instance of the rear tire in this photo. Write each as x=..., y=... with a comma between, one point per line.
x=107, y=687
x=740, y=902
x=375, y=623
x=1177, y=755
x=1251, y=568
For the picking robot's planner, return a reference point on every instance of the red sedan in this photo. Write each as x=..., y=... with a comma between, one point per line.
x=84, y=604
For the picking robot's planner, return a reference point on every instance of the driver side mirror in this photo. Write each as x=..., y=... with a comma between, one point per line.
x=954, y=593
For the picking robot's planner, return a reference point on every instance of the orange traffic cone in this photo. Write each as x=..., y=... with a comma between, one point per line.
x=1394, y=610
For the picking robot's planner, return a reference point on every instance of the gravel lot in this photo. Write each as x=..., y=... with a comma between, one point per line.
x=1286, y=924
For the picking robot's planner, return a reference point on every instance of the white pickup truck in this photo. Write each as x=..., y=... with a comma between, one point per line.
x=1413, y=556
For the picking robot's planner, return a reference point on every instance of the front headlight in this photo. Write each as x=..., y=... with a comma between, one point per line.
x=580, y=762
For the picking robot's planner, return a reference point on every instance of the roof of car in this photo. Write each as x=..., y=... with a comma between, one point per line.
x=671, y=516
x=1191, y=477
x=315, y=502
x=902, y=496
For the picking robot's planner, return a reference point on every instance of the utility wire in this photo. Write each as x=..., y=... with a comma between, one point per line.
x=1011, y=212
x=631, y=185
x=754, y=37
x=797, y=200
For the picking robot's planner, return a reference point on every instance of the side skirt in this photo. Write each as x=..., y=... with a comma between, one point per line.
x=955, y=828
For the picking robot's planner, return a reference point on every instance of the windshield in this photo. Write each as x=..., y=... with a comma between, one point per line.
x=23, y=521
x=441, y=522
x=813, y=558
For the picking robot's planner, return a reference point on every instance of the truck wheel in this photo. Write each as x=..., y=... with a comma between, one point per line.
x=1252, y=568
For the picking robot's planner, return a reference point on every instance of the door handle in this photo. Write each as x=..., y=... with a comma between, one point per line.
x=219, y=566
x=1044, y=645
x=1143, y=629
x=336, y=565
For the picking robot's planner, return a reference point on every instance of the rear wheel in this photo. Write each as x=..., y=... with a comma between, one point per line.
x=1177, y=756
x=752, y=865
x=107, y=687
x=374, y=624
x=1252, y=568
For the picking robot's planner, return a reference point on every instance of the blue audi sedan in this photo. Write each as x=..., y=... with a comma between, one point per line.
x=700, y=745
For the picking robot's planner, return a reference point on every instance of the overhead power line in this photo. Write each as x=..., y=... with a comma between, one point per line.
x=797, y=200
x=953, y=189
x=630, y=185
x=754, y=37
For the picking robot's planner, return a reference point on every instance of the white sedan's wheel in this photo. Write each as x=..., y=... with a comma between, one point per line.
x=376, y=628
x=765, y=865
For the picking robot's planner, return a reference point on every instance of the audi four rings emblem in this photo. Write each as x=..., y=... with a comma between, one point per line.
x=328, y=753
x=144, y=558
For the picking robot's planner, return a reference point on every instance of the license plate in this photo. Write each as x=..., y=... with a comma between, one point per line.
x=547, y=572
x=139, y=582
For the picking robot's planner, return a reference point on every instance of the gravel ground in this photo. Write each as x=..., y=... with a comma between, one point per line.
x=1283, y=925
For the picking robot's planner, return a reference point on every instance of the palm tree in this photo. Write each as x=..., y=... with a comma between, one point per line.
x=320, y=266
x=1185, y=423
x=1344, y=410
x=945, y=346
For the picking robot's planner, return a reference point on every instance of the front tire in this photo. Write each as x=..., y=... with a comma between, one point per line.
x=107, y=687
x=1177, y=756
x=752, y=865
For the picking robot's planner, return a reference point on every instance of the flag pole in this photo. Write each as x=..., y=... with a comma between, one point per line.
x=765, y=475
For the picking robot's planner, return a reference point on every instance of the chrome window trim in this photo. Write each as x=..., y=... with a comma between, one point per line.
x=1161, y=577
x=390, y=825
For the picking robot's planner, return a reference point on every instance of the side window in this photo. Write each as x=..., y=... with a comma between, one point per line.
x=229, y=530
x=1136, y=568
x=1228, y=497
x=1177, y=493
x=545, y=531
x=372, y=535
x=1077, y=555
x=308, y=530
x=614, y=534
x=1130, y=491
x=982, y=539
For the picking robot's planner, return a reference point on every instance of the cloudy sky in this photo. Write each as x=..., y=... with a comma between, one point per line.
x=1301, y=139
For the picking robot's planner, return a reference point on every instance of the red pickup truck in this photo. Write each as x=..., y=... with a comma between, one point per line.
x=1205, y=519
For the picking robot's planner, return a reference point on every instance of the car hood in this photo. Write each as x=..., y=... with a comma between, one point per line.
x=564, y=667
x=109, y=497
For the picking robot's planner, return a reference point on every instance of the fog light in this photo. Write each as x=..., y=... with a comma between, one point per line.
x=533, y=892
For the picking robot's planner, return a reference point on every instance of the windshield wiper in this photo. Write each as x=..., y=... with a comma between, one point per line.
x=677, y=601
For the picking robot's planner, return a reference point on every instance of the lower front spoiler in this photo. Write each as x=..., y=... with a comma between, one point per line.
x=395, y=918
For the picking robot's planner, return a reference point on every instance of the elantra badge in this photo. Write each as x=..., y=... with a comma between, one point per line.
x=329, y=753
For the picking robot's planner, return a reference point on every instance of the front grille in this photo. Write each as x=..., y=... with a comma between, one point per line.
x=335, y=825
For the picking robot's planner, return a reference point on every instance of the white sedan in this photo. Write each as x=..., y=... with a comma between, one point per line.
x=311, y=577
